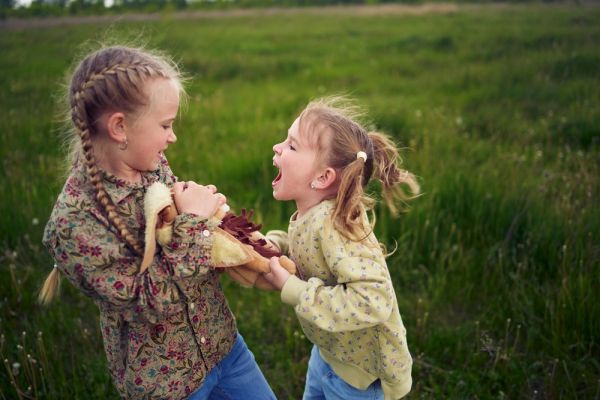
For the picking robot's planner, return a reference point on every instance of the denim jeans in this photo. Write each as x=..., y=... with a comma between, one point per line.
x=237, y=376
x=323, y=383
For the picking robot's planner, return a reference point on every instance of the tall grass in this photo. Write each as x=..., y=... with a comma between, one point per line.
x=497, y=264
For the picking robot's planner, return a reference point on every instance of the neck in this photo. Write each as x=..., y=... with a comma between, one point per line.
x=117, y=167
x=315, y=197
x=304, y=206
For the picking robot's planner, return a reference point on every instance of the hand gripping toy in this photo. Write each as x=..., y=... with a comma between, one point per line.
x=238, y=246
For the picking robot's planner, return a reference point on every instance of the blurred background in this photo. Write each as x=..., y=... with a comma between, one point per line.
x=497, y=108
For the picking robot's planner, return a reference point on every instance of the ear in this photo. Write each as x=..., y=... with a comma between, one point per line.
x=115, y=124
x=326, y=179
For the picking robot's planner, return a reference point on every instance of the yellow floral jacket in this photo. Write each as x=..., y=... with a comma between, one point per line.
x=346, y=303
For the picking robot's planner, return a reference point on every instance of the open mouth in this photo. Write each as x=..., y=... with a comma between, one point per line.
x=277, y=178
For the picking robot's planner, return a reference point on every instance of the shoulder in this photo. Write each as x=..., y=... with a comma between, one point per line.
x=368, y=247
x=317, y=221
x=74, y=208
x=77, y=196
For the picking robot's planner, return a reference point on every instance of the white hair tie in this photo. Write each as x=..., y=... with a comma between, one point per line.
x=361, y=154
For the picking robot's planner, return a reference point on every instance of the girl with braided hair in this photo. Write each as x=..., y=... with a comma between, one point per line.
x=345, y=302
x=168, y=331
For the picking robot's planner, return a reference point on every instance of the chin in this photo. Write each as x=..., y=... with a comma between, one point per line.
x=154, y=166
x=277, y=195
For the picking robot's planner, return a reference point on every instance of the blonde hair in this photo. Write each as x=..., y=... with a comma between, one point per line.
x=112, y=78
x=334, y=126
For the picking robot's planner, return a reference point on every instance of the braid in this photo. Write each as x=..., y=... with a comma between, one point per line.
x=111, y=78
x=94, y=174
x=105, y=84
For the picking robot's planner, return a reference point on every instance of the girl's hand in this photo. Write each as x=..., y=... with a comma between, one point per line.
x=197, y=199
x=278, y=275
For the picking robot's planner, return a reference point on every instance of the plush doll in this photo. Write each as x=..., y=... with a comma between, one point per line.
x=238, y=246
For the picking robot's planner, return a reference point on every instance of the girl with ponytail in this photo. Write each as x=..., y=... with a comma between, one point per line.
x=345, y=301
x=168, y=331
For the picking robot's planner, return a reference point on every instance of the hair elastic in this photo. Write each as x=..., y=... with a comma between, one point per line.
x=361, y=154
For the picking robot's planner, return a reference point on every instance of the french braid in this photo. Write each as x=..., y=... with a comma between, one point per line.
x=100, y=87
x=112, y=78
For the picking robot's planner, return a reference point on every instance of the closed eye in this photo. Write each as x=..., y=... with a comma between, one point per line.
x=291, y=143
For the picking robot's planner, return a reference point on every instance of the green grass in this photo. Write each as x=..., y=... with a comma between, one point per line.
x=497, y=264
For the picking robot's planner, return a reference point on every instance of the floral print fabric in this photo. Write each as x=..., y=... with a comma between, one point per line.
x=347, y=306
x=164, y=329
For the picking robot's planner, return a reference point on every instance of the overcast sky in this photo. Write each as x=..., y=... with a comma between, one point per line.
x=107, y=3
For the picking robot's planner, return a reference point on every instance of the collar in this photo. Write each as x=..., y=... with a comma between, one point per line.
x=117, y=188
x=326, y=204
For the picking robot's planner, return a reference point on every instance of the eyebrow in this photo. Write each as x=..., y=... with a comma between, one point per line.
x=293, y=139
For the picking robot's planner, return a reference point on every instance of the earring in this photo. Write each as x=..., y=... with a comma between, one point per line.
x=312, y=185
x=123, y=145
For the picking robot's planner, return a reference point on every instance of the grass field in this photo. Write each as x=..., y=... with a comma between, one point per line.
x=497, y=269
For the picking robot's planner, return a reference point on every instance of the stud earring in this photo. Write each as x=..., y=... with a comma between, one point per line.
x=312, y=185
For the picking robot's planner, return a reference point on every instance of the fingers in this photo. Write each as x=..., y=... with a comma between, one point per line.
x=182, y=186
x=212, y=188
x=198, y=199
x=269, y=277
x=221, y=199
x=278, y=275
x=274, y=262
x=179, y=187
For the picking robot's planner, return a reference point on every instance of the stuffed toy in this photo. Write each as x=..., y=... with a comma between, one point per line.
x=238, y=246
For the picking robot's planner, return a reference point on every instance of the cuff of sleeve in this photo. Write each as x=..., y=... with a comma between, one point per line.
x=190, y=247
x=293, y=287
x=189, y=228
x=280, y=238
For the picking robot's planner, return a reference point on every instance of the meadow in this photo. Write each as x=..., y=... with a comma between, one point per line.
x=497, y=264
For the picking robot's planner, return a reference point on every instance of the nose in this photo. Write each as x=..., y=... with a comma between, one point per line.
x=277, y=148
x=172, y=137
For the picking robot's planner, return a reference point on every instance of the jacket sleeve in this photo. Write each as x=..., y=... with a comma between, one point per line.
x=361, y=296
x=99, y=264
x=280, y=239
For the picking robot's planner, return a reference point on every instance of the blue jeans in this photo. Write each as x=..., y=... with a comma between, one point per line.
x=323, y=383
x=237, y=376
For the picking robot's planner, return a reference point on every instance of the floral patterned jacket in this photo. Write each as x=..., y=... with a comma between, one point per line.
x=164, y=329
x=347, y=305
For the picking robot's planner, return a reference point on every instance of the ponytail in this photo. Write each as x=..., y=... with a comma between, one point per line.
x=357, y=156
x=351, y=201
x=386, y=169
x=51, y=287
